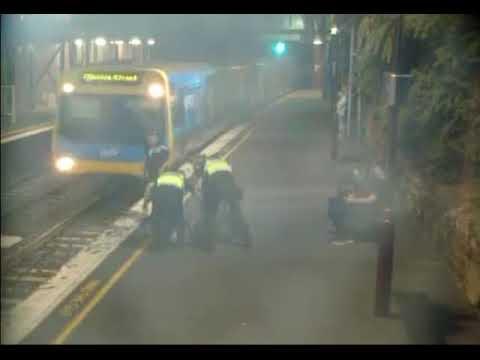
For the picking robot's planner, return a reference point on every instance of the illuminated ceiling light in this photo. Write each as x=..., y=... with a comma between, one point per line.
x=156, y=90
x=299, y=23
x=68, y=88
x=79, y=42
x=151, y=42
x=135, y=42
x=119, y=42
x=334, y=30
x=100, y=41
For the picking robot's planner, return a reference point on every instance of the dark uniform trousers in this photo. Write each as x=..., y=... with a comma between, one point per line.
x=167, y=212
x=218, y=187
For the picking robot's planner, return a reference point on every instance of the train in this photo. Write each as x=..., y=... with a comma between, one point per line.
x=105, y=111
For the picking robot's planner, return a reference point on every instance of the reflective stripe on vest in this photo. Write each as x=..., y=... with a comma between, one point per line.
x=213, y=166
x=172, y=179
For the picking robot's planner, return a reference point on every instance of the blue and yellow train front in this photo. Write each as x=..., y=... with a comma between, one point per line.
x=103, y=117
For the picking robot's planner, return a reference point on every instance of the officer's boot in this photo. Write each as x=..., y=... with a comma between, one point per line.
x=241, y=229
x=208, y=234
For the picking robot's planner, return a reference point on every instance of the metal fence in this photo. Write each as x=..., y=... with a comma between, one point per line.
x=8, y=105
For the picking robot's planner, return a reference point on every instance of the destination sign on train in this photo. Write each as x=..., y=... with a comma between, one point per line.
x=111, y=77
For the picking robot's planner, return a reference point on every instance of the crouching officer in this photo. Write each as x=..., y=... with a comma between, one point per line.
x=167, y=207
x=218, y=184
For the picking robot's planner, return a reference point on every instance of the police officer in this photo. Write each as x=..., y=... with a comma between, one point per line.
x=167, y=206
x=218, y=184
x=155, y=158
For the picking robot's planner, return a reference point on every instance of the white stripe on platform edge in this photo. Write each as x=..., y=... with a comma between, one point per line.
x=28, y=314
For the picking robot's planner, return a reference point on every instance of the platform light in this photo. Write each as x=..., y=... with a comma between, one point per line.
x=151, y=42
x=135, y=41
x=65, y=164
x=79, y=42
x=100, y=41
x=156, y=90
x=317, y=41
x=68, y=88
x=334, y=30
x=119, y=42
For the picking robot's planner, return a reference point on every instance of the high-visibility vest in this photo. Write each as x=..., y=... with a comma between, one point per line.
x=171, y=179
x=213, y=166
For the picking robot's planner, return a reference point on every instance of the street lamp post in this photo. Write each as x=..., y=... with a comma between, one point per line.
x=350, y=83
x=387, y=230
x=332, y=79
x=392, y=151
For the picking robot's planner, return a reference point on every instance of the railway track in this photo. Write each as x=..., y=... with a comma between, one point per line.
x=30, y=267
x=31, y=189
x=41, y=206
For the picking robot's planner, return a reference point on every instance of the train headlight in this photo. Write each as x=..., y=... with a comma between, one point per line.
x=64, y=164
x=156, y=91
x=68, y=88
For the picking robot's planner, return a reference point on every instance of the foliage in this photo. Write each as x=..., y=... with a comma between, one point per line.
x=376, y=36
x=441, y=100
x=439, y=115
x=375, y=44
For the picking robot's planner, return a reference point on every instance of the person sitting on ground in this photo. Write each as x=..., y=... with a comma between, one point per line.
x=346, y=210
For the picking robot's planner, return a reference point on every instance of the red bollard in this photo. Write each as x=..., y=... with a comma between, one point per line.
x=384, y=267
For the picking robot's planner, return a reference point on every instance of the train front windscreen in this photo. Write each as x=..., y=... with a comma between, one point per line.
x=109, y=119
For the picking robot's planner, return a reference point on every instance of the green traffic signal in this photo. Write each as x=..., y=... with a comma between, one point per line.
x=279, y=48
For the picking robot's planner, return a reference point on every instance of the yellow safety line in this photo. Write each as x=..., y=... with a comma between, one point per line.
x=60, y=339
x=76, y=321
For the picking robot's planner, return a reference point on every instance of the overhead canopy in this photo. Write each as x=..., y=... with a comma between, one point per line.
x=56, y=27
